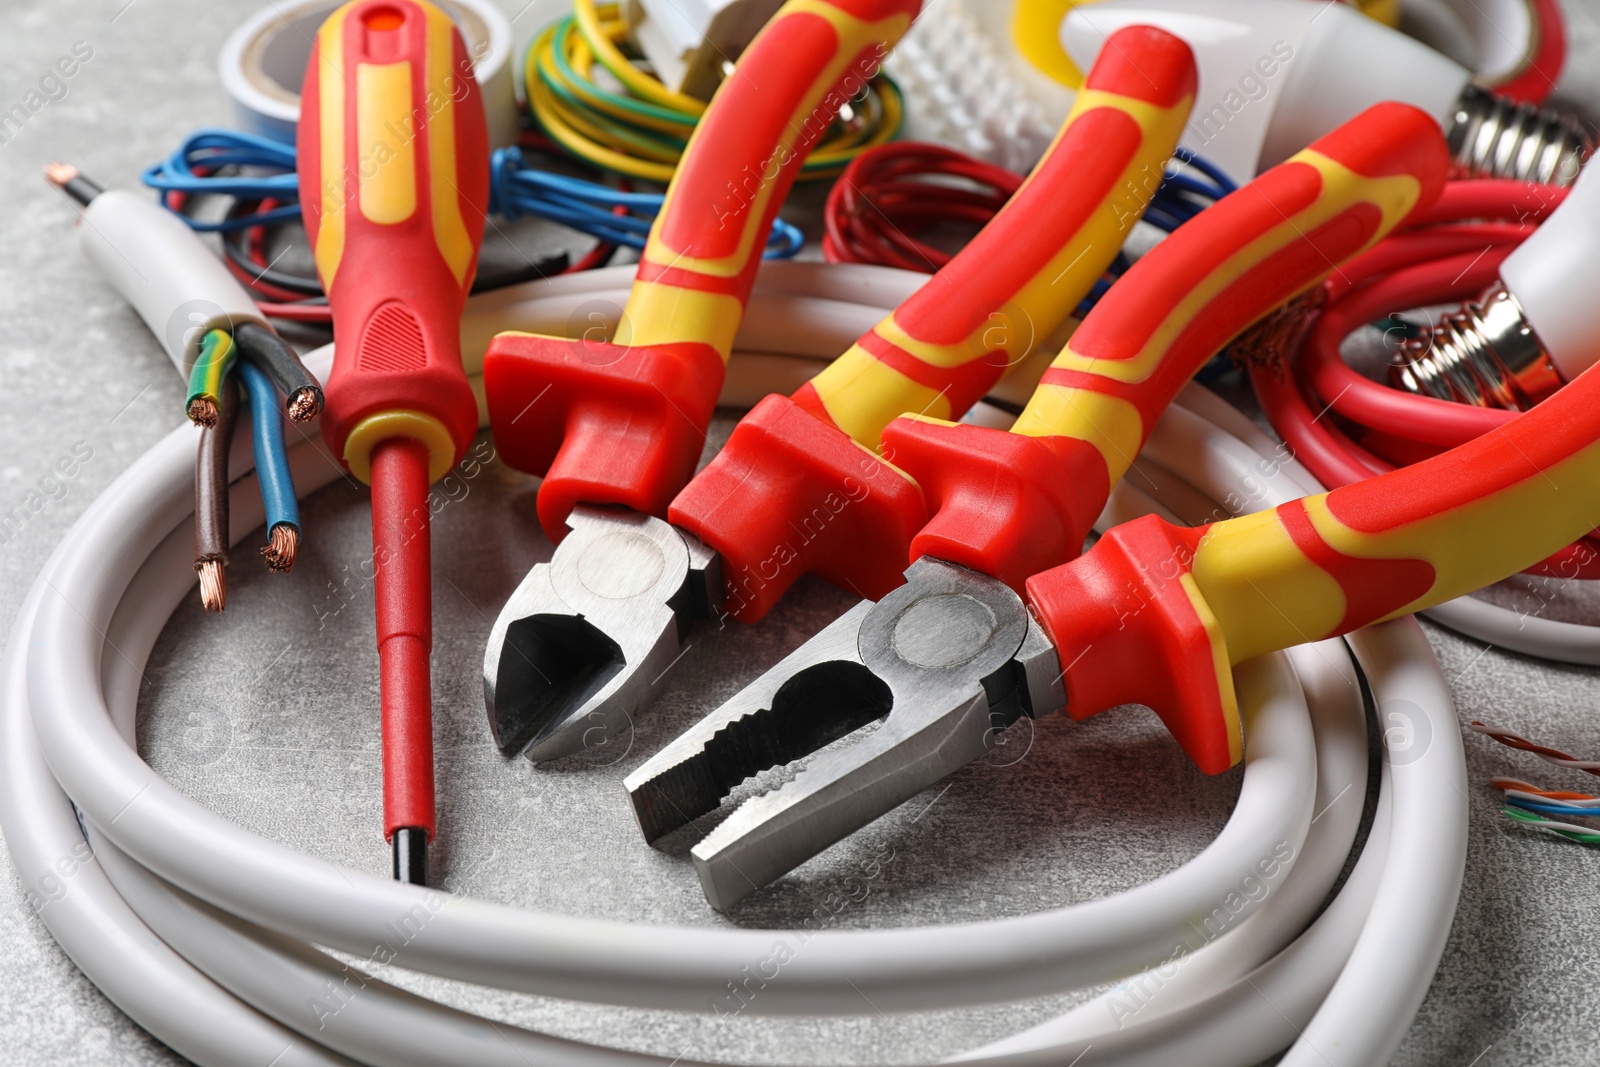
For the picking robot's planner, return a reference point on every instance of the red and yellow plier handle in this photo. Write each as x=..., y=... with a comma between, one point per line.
x=1158, y=614
x=622, y=420
x=787, y=483
x=1012, y=504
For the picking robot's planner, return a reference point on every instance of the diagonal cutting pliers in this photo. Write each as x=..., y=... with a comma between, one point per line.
x=954, y=655
x=615, y=426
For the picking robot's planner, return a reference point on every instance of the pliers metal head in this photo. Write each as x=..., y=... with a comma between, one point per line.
x=586, y=639
x=946, y=662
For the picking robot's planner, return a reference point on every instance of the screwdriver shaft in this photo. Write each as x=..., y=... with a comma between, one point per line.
x=402, y=562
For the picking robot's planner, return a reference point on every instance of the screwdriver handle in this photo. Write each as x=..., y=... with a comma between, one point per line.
x=1168, y=610
x=394, y=183
x=793, y=480
x=623, y=420
x=1012, y=504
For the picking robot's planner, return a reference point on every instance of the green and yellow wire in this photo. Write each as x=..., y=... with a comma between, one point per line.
x=217, y=353
x=642, y=131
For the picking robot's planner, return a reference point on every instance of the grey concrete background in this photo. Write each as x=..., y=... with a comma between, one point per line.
x=268, y=714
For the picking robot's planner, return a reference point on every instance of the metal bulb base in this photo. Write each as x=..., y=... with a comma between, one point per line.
x=1486, y=354
x=1493, y=137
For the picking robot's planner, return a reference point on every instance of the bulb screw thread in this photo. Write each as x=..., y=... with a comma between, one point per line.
x=1485, y=354
x=1493, y=137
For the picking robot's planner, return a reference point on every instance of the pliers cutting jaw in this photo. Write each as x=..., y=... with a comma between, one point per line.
x=946, y=662
x=585, y=641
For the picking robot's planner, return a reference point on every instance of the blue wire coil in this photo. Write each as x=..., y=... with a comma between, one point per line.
x=515, y=190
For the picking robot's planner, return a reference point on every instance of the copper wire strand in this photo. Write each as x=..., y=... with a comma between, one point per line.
x=70, y=180
x=59, y=174
x=304, y=405
x=213, y=587
x=281, y=548
x=202, y=412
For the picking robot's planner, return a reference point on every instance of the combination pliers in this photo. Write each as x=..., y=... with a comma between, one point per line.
x=954, y=655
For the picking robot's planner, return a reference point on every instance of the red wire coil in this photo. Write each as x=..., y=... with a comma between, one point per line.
x=889, y=197
x=1346, y=427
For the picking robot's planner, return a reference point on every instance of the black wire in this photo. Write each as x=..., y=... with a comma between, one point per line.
x=262, y=346
x=236, y=244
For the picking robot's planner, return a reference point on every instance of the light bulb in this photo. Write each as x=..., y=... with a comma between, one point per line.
x=1277, y=74
x=1533, y=331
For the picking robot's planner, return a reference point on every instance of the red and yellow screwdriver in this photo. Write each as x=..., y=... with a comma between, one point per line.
x=394, y=182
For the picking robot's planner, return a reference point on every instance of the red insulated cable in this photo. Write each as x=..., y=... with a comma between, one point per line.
x=1372, y=404
x=259, y=287
x=890, y=195
x=1318, y=444
x=1416, y=248
x=320, y=314
x=1547, y=40
x=401, y=558
x=1491, y=198
x=1335, y=459
x=1306, y=396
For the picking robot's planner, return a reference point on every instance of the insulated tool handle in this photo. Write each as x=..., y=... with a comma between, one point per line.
x=791, y=493
x=1012, y=504
x=394, y=182
x=1157, y=614
x=1025, y=272
x=623, y=421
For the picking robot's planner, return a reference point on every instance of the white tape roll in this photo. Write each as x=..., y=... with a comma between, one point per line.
x=264, y=60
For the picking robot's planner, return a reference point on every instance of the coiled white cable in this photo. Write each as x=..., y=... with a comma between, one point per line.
x=244, y=972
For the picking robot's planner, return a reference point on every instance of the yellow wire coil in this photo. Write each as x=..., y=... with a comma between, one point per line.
x=641, y=132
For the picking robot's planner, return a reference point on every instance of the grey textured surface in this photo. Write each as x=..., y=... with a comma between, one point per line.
x=268, y=714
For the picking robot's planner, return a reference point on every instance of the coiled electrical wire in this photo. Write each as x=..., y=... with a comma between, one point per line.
x=642, y=131
x=1300, y=376
x=201, y=931
x=258, y=175
x=192, y=169
x=888, y=199
x=516, y=190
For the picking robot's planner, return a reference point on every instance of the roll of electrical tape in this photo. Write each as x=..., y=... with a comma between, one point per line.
x=264, y=60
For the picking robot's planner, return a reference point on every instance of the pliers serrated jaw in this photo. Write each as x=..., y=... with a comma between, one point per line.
x=946, y=662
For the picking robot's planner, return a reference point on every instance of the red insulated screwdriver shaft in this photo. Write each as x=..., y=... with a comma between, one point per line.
x=393, y=185
x=402, y=589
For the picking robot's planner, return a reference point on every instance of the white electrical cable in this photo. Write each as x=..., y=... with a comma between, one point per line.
x=1210, y=1008
x=114, y=568
x=682, y=969
x=1365, y=1016
x=1132, y=1008
x=1338, y=712
x=125, y=815
x=1518, y=631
